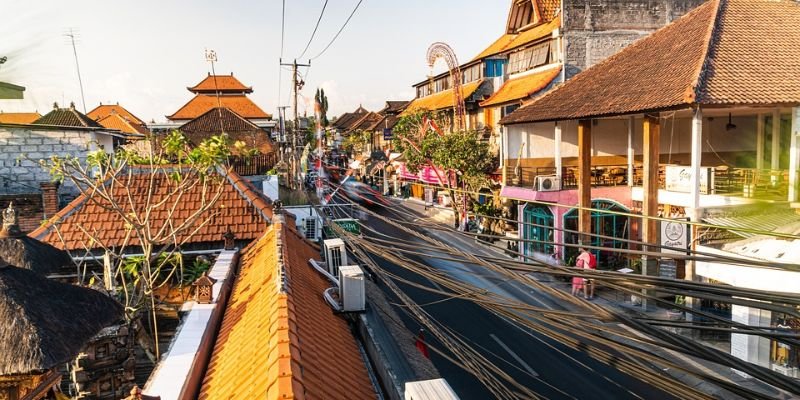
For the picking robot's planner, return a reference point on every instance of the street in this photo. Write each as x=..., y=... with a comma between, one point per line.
x=545, y=366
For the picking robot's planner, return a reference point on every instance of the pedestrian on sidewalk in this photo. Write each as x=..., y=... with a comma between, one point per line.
x=589, y=261
x=577, y=282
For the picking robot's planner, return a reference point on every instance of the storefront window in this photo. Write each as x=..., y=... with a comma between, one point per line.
x=603, y=223
x=783, y=354
x=538, y=226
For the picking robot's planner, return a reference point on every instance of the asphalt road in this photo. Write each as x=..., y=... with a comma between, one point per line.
x=550, y=369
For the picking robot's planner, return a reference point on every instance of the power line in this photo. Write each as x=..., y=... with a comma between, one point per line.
x=340, y=31
x=280, y=59
x=315, y=29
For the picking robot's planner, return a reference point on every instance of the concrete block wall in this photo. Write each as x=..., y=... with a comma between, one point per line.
x=22, y=148
x=597, y=29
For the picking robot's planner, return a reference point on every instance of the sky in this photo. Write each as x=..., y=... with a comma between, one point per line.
x=143, y=54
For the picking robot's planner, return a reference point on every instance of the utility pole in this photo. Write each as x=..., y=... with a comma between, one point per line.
x=71, y=35
x=282, y=129
x=296, y=86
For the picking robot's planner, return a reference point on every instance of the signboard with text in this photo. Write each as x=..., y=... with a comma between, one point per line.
x=387, y=134
x=678, y=179
x=675, y=234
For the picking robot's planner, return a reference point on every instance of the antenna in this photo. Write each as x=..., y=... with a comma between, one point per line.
x=211, y=57
x=71, y=34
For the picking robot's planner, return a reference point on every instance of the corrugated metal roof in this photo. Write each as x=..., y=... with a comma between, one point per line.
x=754, y=222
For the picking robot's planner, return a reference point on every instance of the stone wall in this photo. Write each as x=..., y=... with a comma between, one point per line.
x=22, y=148
x=597, y=29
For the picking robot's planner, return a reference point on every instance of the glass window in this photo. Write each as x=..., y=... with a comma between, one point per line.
x=785, y=354
x=529, y=58
x=539, y=228
x=612, y=226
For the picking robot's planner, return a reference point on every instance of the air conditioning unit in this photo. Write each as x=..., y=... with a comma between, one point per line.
x=351, y=288
x=547, y=183
x=335, y=255
x=434, y=389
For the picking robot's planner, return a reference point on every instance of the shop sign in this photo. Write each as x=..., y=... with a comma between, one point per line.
x=675, y=233
x=348, y=224
x=387, y=134
x=678, y=179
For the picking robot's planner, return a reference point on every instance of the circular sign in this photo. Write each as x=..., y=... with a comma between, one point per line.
x=673, y=231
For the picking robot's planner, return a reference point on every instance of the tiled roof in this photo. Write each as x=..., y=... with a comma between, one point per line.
x=104, y=110
x=120, y=123
x=279, y=339
x=67, y=117
x=395, y=107
x=549, y=8
x=443, y=99
x=509, y=42
x=237, y=128
x=514, y=90
x=368, y=121
x=201, y=103
x=347, y=121
x=18, y=118
x=725, y=52
x=240, y=208
x=224, y=83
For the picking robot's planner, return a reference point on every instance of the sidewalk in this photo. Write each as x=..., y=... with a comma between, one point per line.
x=608, y=299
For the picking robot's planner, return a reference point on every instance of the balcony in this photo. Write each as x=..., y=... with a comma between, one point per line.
x=741, y=182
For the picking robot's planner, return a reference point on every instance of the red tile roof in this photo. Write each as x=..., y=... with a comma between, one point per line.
x=237, y=128
x=201, y=103
x=725, y=52
x=104, y=110
x=239, y=208
x=122, y=124
x=18, y=118
x=279, y=339
x=520, y=89
x=222, y=83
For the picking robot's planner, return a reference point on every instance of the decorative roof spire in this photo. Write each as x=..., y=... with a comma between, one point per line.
x=10, y=222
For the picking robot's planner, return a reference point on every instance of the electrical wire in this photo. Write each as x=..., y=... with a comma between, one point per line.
x=339, y=32
x=315, y=29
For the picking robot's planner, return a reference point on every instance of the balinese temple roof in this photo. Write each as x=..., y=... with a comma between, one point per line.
x=67, y=117
x=25, y=252
x=220, y=83
x=234, y=125
x=200, y=104
x=104, y=110
x=723, y=53
x=45, y=322
x=279, y=339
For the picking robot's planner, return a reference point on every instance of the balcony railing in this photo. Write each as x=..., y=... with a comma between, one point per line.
x=745, y=182
x=253, y=165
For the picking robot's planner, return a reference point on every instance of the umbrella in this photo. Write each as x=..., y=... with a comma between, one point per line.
x=47, y=323
x=25, y=252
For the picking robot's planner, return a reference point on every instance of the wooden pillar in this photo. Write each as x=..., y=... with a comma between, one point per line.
x=557, y=150
x=630, y=152
x=776, y=140
x=794, y=157
x=584, y=180
x=504, y=153
x=650, y=151
x=760, y=136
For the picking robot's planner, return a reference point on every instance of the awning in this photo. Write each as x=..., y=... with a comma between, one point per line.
x=403, y=172
x=441, y=100
x=430, y=175
x=760, y=222
x=523, y=87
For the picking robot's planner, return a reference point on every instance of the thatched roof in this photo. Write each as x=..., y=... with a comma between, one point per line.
x=45, y=322
x=29, y=253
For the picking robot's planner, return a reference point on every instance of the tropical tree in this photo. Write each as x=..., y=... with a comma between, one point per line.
x=323, y=102
x=171, y=168
x=463, y=157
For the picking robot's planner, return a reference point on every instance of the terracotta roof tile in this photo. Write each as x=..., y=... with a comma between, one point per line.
x=725, y=52
x=510, y=42
x=282, y=341
x=236, y=126
x=443, y=99
x=347, y=121
x=18, y=118
x=223, y=83
x=104, y=110
x=201, y=103
x=120, y=123
x=514, y=90
x=70, y=228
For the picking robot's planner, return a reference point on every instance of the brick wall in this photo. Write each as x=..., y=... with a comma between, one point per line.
x=29, y=207
x=22, y=148
x=597, y=29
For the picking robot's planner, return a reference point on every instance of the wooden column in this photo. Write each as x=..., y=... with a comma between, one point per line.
x=760, y=133
x=584, y=180
x=504, y=153
x=630, y=152
x=650, y=151
x=557, y=149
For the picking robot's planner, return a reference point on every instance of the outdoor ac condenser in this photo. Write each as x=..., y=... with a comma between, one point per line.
x=335, y=255
x=547, y=183
x=351, y=288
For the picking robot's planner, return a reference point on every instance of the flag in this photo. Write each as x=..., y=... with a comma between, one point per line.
x=420, y=343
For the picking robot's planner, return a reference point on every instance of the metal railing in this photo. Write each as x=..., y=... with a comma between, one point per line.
x=253, y=165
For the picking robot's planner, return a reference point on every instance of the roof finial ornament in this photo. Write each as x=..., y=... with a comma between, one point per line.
x=71, y=105
x=10, y=222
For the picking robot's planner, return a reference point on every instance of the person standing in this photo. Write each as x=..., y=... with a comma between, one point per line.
x=589, y=261
x=577, y=282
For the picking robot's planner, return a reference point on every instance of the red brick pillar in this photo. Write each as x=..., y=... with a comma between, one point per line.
x=49, y=198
